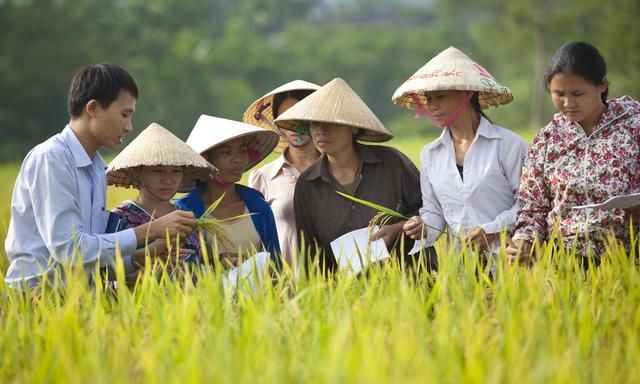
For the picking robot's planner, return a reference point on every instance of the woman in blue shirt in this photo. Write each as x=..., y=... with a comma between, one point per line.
x=234, y=148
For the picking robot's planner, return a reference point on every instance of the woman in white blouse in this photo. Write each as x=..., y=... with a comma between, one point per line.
x=470, y=175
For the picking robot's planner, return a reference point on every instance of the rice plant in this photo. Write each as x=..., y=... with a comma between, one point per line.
x=211, y=226
x=553, y=321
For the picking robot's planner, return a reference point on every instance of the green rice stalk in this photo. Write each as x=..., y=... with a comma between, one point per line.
x=385, y=214
x=212, y=226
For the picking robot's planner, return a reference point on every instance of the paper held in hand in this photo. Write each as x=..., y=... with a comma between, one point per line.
x=622, y=201
x=248, y=275
x=354, y=252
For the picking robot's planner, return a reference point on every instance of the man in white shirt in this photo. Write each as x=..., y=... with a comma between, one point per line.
x=58, y=211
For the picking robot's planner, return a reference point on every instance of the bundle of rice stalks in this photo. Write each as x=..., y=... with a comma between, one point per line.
x=211, y=226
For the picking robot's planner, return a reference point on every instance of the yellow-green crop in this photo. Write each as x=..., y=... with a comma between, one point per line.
x=550, y=323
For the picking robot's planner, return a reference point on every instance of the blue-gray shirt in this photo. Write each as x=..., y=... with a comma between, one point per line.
x=58, y=210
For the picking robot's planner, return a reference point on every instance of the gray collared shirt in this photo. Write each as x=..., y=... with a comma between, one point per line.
x=385, y=176
x=58, y=213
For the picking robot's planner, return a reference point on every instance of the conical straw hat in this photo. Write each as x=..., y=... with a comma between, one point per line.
x=249, y=116
x=211, y=131
x=336, y=103
x=156, y=146
x=452, y=70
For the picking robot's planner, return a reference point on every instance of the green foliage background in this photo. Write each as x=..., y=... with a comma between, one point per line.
x=217, y=56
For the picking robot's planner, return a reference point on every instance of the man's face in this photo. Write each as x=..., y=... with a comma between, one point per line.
x=110, y=125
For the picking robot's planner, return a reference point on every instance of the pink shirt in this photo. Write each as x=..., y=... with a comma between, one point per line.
x=277, y=181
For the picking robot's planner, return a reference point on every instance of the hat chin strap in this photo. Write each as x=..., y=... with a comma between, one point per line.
x=216, y=178
x=422, y=110
x=220, y=181
x=260, y=116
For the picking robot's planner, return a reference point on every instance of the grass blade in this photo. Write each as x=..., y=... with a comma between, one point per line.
x=375, y=206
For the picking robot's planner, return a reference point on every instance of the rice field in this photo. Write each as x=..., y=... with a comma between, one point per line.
x=553, y=322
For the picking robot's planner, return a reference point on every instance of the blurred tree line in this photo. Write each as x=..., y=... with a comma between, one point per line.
x=217, y=56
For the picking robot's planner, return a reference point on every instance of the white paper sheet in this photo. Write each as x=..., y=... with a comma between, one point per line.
x=418, y=245
x=354, y=252
x=622, y=201
x=249, y=274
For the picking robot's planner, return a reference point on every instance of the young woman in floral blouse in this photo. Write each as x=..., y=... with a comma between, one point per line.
x=587, y=154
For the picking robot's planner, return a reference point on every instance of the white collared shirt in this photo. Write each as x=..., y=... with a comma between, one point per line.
x=488, y=195
x=54, y=214
x=277, y=181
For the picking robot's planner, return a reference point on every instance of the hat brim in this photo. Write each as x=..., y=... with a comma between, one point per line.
x=451, y=70
x=336, y=103
x=366, y=134
x=130, y=177
x=249, y=115
x=264, y=143
x=155, y=146
x=486, y=99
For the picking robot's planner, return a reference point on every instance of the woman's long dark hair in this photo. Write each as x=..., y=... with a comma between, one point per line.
x=475, y=103
x=581, y=59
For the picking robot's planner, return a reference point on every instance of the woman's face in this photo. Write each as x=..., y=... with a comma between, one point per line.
x=231, y=159
x=292, y=136
x=161, y=182
x=332, y=139
x=576, y=98
x=443, y=103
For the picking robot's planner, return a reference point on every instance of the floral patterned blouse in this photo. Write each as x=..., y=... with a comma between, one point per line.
x=133, y=215
x=565, y=168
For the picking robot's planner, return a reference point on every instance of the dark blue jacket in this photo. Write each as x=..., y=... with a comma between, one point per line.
x=262, y=216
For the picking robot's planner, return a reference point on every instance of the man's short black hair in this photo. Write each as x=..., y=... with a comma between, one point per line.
x=102, y=82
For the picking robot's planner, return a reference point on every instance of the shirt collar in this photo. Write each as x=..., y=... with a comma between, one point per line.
x=616, y=108
x=278, y=164
x=321, y=168
x=78, y=152
x=485, y=129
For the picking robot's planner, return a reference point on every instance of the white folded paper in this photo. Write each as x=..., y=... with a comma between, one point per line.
x=622, y=201
x=249, y=274
x=418, y=245
x=354, y=252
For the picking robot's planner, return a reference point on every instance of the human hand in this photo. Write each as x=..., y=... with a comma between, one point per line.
x=415, y=228
x=175, y=224
x=519, y=251
x=229, y=260
x=633, y=213
x=161, y=251
x=389, y=233
x=479, y=238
